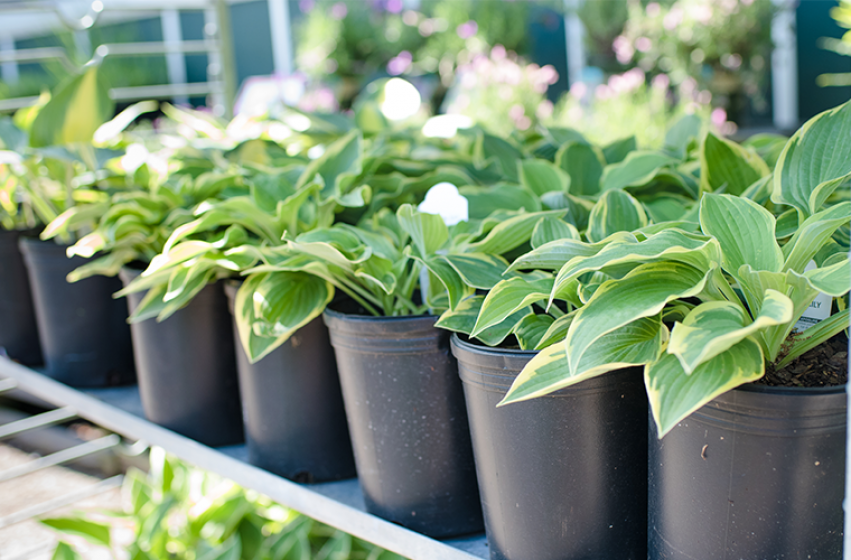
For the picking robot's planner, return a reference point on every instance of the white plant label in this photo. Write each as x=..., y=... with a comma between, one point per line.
x=818, y=311
x=444, y=200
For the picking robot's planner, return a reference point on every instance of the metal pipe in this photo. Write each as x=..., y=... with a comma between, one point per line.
x=38, y=421
x=60, y=457
x=66, y=500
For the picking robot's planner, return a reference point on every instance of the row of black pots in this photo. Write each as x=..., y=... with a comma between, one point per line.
x=757, y=473
x=76, y=330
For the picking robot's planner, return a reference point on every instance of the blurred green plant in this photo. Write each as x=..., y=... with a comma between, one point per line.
x=722, y=44
x=626, y=105
x=497, y=85
x=183, y=513
x=349, y=42
x=842, y=14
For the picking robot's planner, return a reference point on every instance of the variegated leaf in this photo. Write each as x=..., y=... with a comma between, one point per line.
x=641, y=293
x=674, y=395
x=714, y=327
x=616, y=211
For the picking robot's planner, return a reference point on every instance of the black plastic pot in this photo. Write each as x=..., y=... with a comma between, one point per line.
x=18, y=330
x=83, y=330
x=758, y=473
x=295, y=423
x=564, y=476
x=408, y=422
x=187, y=368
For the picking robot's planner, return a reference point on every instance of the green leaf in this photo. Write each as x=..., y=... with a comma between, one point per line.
x=270, y=307
x=813, y=234
x=555, y=254
x=74, y=113
x=64, y=551
x=478, y=270
x=553, y=229
x=428, y=231
x=616, y=151
x=484, y=201
x=815, y=161
x=510, y=234
x=341, y=157
x=557, y=331
x=95, y=533
x=151, y=305
x=463, y=318
x=726, y=164
x=681, y=133
x=670, y=245
x=493, y=148
x=541, y=176
x=616, y=211
x=455, y=287
x=641, y=293
x=714, y=327
x=637, y=169
x=834, y=280
x=584, y=166
x=745, y=231
x=634, y=344
x=509, y=296
x=531, y=329
x=674, y=395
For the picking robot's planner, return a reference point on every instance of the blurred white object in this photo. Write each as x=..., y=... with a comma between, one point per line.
x=258, y=93
x=444, y=200
x=445, y=126
x=401, y=99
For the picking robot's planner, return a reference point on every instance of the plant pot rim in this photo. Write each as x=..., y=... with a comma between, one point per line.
x=789, y=391
x=480, y=348
x=358, y=317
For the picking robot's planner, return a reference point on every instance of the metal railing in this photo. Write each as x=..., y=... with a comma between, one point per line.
x=220, y=86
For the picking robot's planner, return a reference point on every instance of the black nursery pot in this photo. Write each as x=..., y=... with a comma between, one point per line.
x=18, y=330
x=83, y=330
x=562, y=476
x=187, y=368
x=408, y=422
x=759, y=472
x=295, y=423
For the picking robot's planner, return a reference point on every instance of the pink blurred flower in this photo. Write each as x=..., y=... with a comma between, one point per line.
x=673, y=18
x=339, y=10
x=394, y=6
x=578, y=90
x=399, y=63
x=643, y=44
x=545, y=109
x=523, y=122
x=602, y=92
x=653, y=9
x=661, y=81
x=718, y=117
x=467, y=29
x=548, y=74
x=498, y=52
x=623, y=49
x=306, y=5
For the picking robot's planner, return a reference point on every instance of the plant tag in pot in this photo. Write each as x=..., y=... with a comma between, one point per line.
x=818, y=311
x=444, y=200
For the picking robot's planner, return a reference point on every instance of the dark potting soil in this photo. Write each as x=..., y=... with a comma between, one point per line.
x=824, y=366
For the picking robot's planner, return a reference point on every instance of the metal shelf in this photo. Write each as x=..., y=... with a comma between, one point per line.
x=339, y=504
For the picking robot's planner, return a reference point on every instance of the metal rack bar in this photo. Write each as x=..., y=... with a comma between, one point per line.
x=62, y=501
x=339, y=504
x=60, y=457
x=38, y=421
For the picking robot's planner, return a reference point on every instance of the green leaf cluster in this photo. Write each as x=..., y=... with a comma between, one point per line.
x=182, y=513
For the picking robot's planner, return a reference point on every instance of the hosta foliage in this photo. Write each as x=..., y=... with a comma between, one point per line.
x=182, y=513
x=703, y=312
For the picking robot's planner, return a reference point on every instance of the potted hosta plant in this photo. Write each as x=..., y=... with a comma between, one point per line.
x=582, y=449
x=83, y=332
x=749, y=439
x=18, y=330
x=415, y=468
